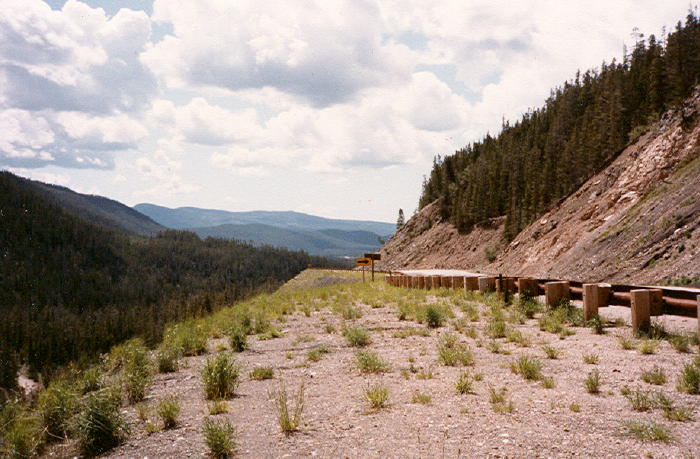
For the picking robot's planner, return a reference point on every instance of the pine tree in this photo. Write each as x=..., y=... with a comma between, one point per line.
x=400, y=221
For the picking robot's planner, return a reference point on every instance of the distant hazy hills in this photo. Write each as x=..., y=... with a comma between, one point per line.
x=294, y=230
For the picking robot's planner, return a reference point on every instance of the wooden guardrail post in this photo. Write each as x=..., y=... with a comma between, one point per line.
x=487, y=284
x=445, y=281
x=656, y=307
x=421, y=281
x=505, y=287
x=595, y=296
x=528, y=286
x=471, y=283
x=457, y=282
x=698, y=316
x=641, y=310
x=556, y=292
x=435, y=282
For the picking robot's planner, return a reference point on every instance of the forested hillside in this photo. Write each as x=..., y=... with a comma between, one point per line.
x=70, y=288
x=554, y=149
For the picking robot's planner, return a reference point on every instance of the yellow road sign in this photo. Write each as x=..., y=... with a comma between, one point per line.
x=362, y=261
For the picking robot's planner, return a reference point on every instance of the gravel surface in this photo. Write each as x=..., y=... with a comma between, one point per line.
x=339, y=423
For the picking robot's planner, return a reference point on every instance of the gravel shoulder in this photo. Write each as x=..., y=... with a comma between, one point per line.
x=338, y=422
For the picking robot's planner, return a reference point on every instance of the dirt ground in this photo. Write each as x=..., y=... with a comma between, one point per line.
x=339, y=423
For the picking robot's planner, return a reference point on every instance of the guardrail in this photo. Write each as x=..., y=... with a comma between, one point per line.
x=645, y=301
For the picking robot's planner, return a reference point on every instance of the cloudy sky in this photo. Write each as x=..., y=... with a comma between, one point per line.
x=334, y=108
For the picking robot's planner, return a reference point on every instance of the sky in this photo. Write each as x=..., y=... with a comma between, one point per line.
x=333, y=108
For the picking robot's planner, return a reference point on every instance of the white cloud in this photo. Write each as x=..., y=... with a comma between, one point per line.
x=322, y=51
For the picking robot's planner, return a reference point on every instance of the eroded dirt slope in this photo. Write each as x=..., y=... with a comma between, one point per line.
x=636, y=221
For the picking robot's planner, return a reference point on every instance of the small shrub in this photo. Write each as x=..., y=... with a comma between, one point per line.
x=167, y=359
x=496, y=329
x=370, y=362
x=590, y=359
x=357, y=336
x=434, y=317
x=289, y=421
x=217, y=407
x=592, y=382
x=682, y=414
x=681, y=343
x=317, y=354
x=528, y=367
x=551, y=352
x=238, y=338
x=548, y=382
x=329, y=328
x=647, y=431
x=190, y=337
x=647, y=346
x=406, y=332
x=597, y=325
x=626, y=342
x=168, y=410
x=689, y=378
x=91, y=380
x=655, y=376
x=348, y=312
x=497, y=396
x=495, y=347
x=529, y=306
x=220, y=438
x=220, y=376
x=377, y=396
x=425, y=374
x=499, y=404
x=56, y=405
x=99, y=426
x=465, y=383
x=423, y=399
x=516, y=336
x=137, y=375
x=261, y=373
x=453, y=353
x=20, y=432
x=575, y=407
x=640, y=400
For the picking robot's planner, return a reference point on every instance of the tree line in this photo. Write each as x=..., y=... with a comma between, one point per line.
x=70, y=289
x=554, y=149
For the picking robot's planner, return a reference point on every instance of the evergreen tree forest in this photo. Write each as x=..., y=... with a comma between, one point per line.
x=581, y=128
x=70, y=289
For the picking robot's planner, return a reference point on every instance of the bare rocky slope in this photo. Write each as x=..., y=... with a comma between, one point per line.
x=637, y=221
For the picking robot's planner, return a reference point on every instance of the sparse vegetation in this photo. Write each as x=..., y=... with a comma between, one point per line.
x=551, y=352
x=377, y=396
x=647, y=346
x=655, y=375
x=592, y=382
x=626, y=342
x=220, y=437
x=289, y=418
x=261, y=373
x=217, y=407
x=220, y=376
x=423, y=399
x=100, y=426
x=647, y=431
x=528, y=367
x=357, y=336
x=465, y=383
x=453, y=353
x=548, y=382
x=434, y=317
x=370, y=362
x=590, y=359
x=316, y=354
x=689, y=378
x=168, y=410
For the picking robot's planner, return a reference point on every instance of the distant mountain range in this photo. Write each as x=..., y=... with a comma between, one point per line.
x=95, y=209
x=294, y=230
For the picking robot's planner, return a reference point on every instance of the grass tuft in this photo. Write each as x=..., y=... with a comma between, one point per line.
x=654, y=376
x=289, y=418
x=689, y=378
x=221, y=376
x=220, y=438
x=100, y=426
x=647, y=346
x=370, y=362
x=465, y=383
x=551, y=352
x=528, y=367
x=647, y=431
x=317, y=354
x=592, y=382
x=452, y=353
x=357, y=336
x=590, y=359
x=377, y=396
x=168, y=410
x=261, y=373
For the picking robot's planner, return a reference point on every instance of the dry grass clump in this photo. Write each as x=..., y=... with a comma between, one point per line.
x=377, y=396
x=168, y=410
x=261, y=373
x=689, y=377
x=655, y=375
x=590, y=359
x=647, y=431
x=647, y=346
x=370, y=362
x=592, y=382
x=317, y=354
x=221, y=376
x=423, y=399
x=289, y=418
x=357, y=336
x=498, y=400
x=551, y=352
x=465, y=383
x=528, y=367
x=411, y=331
x=453, y=353
x=220, y=438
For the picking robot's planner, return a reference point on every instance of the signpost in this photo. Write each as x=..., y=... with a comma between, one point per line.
x=373, y=257
x=363, y=262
